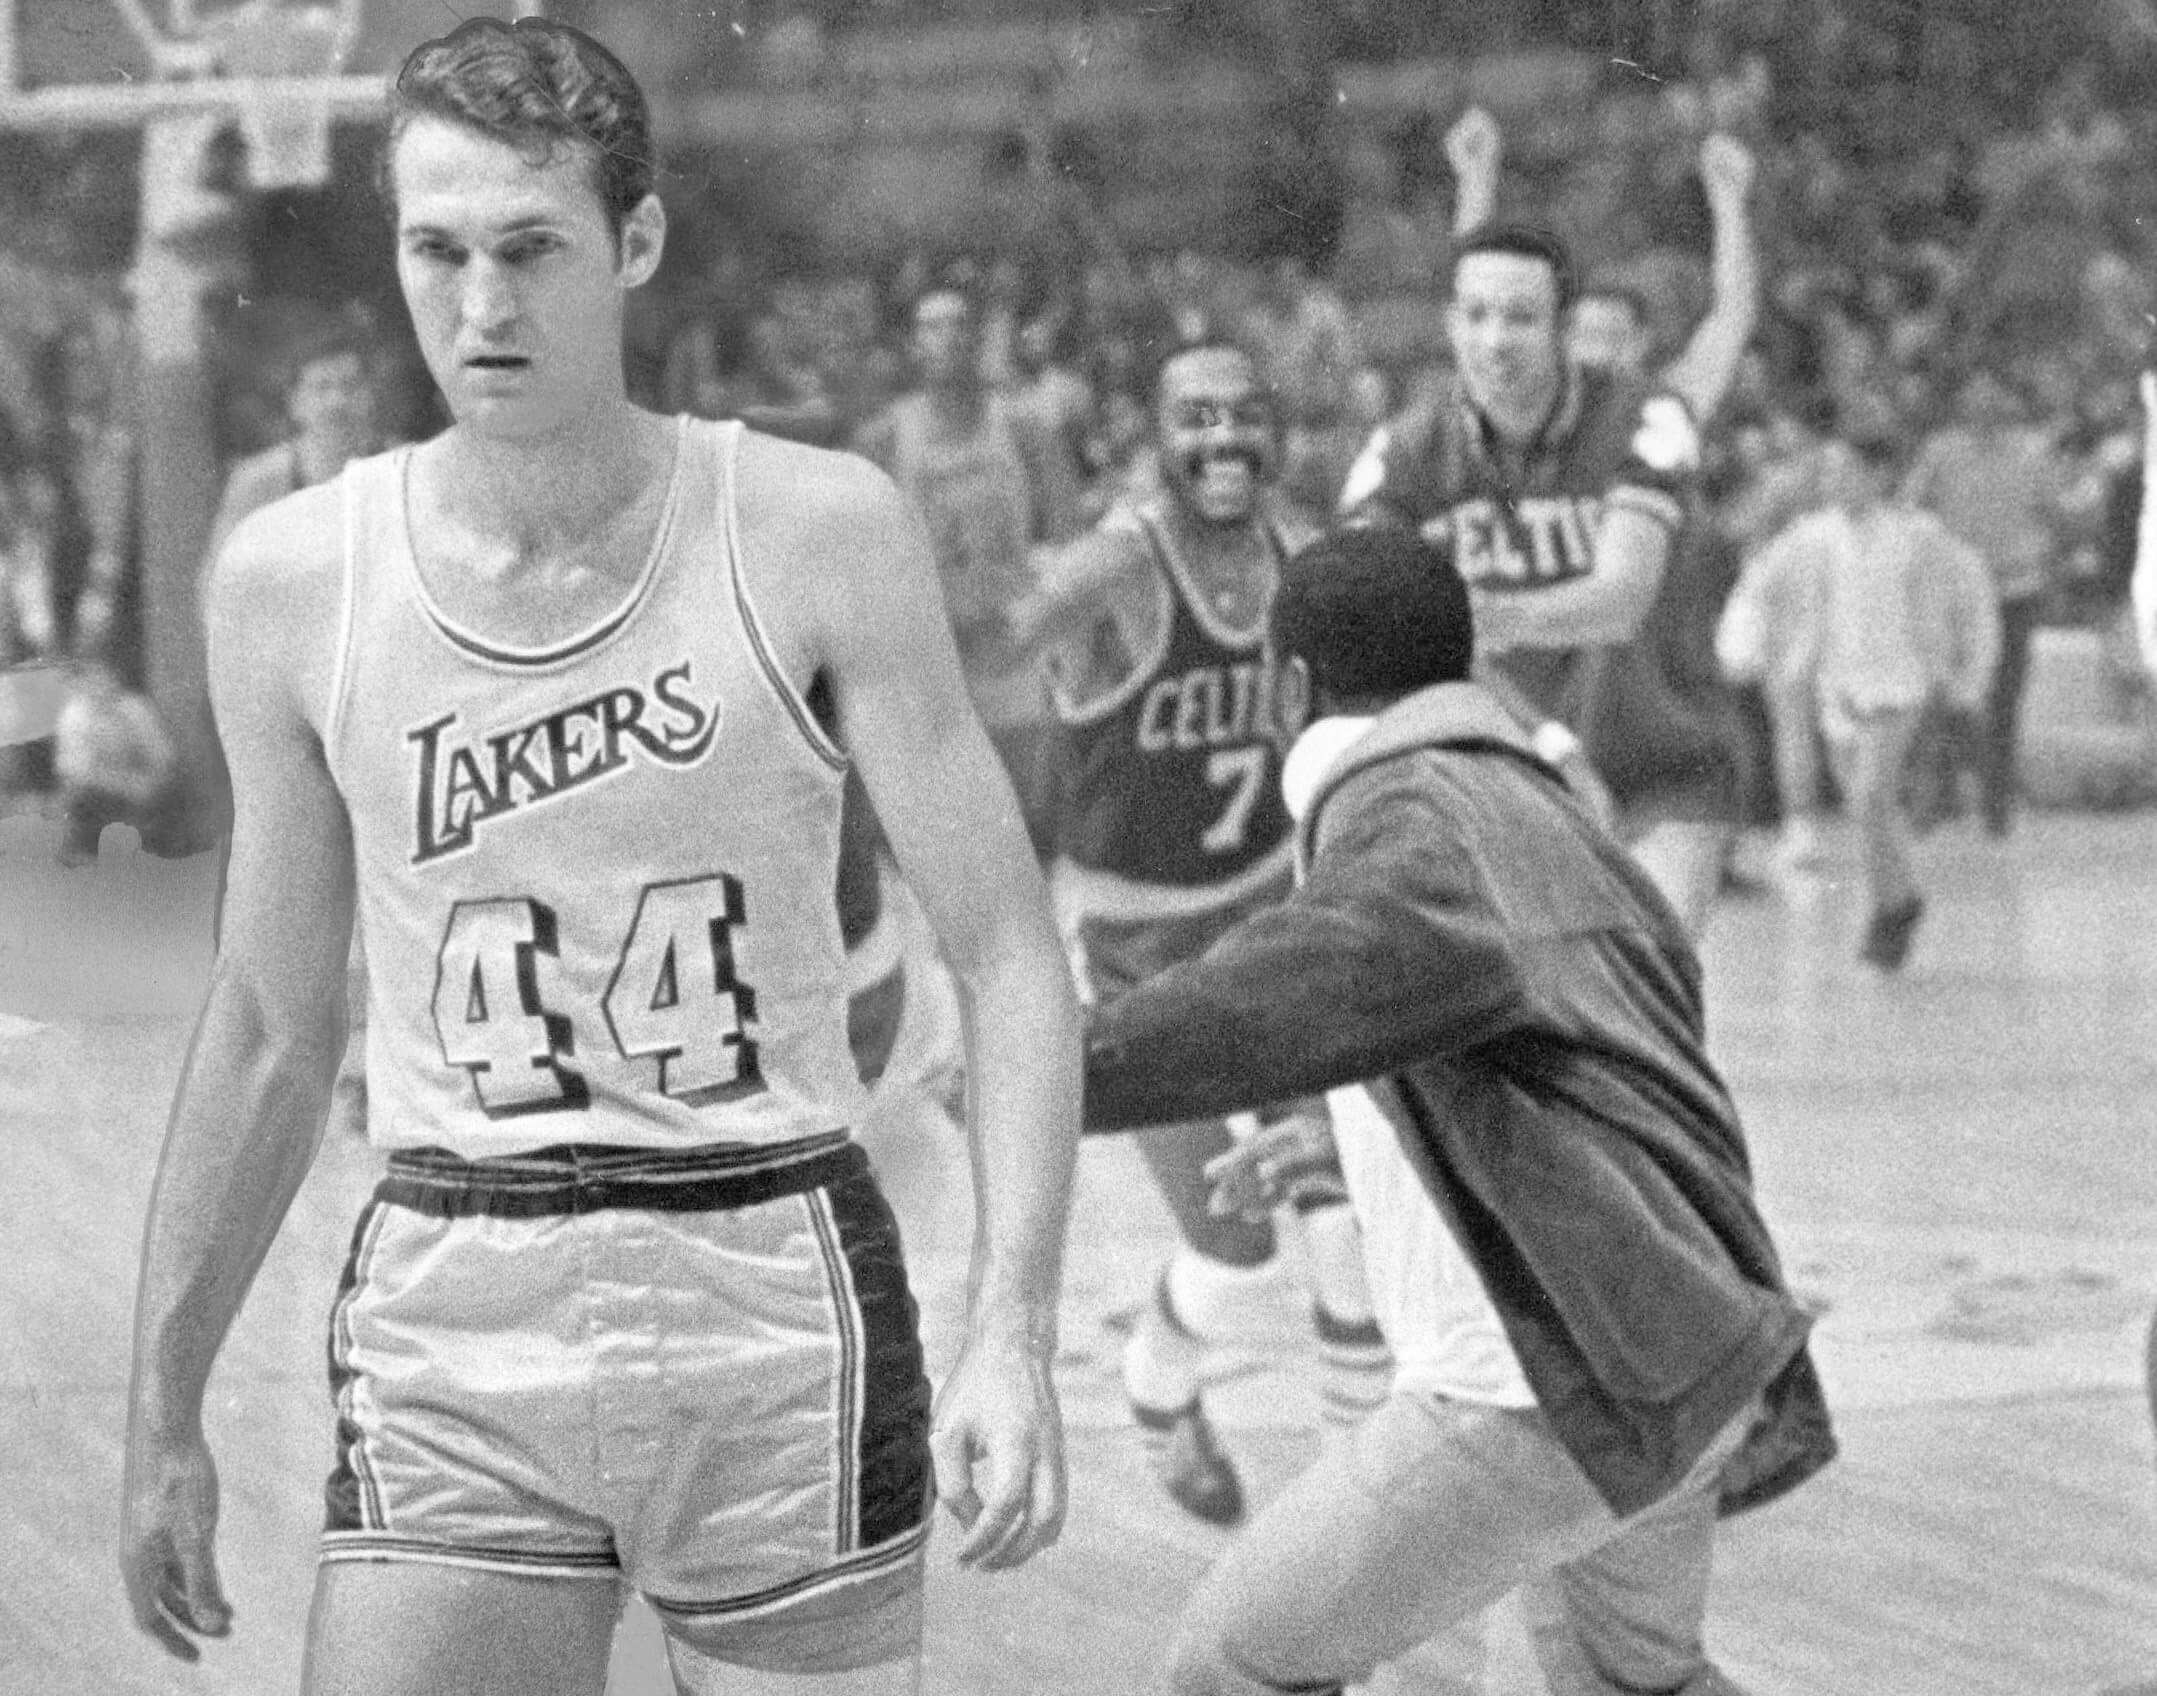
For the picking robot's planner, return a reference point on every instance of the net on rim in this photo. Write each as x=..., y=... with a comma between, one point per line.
x=272, y=55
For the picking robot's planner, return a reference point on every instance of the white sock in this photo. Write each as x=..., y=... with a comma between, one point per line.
x=1355, y=1366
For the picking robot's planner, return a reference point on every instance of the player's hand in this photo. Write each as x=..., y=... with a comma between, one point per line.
x=168, y=1526
x=1274, y=1164
x=1472, y=147
x=999, y=1450
x=1726, y=167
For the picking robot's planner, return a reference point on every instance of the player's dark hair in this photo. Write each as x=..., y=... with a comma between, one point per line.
x=1374, y=613
x=540, y=87
x=1523, y=241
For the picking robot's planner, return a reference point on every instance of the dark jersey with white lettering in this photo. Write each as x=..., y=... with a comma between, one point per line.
x=595, y=879
x=1523, y=520
x=1174, y=773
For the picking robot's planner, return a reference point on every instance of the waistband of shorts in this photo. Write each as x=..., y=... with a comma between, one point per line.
x=569, y=1178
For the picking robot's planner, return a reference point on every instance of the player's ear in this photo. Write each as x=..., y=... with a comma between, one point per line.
x=644, y=239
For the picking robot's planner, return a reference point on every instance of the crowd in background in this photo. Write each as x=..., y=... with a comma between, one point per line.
x=1934, y=253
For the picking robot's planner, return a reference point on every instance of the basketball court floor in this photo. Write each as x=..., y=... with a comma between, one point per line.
x=1960, y=1163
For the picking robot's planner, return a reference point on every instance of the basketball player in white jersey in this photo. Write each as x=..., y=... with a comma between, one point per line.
x=563, y=698
x=1170, y=827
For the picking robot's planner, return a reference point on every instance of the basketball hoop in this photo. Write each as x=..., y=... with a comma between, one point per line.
x=276, y=59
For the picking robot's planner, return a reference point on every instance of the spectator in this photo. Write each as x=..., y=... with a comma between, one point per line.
x=1998, y=485
x=1884, y=610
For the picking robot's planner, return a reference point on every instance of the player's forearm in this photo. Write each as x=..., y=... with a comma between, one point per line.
x=1703, y=372
x=243, y=1133
x=1022, y=1037
x=1375, y=966
x=1606, y=607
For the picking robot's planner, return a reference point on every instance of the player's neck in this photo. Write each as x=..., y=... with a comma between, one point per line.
x=1520, y=418
x=528, y=492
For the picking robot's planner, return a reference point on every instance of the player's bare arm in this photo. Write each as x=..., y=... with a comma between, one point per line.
x=871, y=621
x=255, y=1089
x=1076, y=584
x=1474, y=148
x=1704, y=369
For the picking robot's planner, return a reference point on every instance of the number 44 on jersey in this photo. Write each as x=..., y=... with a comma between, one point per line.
x=673, y=1001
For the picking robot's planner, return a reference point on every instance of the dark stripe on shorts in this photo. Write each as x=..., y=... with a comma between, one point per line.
x=345, y=1495
x=587, y=1177
x=891, y=1460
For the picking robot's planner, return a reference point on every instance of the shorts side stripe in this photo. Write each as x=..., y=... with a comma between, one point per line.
x=839, y=1273
x=353, y=1495
x=891, y=1466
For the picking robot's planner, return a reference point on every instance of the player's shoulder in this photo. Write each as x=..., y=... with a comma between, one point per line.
x=1640, y=417
x=282, y=560
x=820, y=528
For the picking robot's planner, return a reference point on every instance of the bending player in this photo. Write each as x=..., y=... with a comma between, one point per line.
x=563, y=699
x=1468, y=934
x=1171, y=828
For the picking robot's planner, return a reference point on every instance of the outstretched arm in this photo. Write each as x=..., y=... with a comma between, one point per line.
x=953, y=824
x=1387, y=956
x=1475, y=149
x=1702, y=373
x=1632, y=546
x=1072, y=585
x=254, y=1094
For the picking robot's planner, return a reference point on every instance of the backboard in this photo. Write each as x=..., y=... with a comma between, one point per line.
x=91, y=64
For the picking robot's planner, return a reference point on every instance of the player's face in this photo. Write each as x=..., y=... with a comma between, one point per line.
x=1504, y=324
x=1604, y=335
x=332, y=397
x=1217, y=434
x=514, y=277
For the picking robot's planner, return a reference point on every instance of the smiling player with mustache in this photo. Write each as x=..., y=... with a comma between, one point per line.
x=1171, y=827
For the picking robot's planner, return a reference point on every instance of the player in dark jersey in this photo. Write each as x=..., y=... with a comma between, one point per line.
x=1171, y=826
x=1656, y=720
x=1556, y=490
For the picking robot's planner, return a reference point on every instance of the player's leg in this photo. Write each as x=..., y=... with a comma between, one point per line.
x=1419, y=1518
x=778, y=1526
x=1630, y=1613
x=415, y=1628
x=2002, y=719
x=1873, y=755
x=1216, y=1268
x=699, y=1675
x=897, y=1673
x=1796, y=748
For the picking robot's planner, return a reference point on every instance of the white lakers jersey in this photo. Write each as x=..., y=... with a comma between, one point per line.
x=595, y=880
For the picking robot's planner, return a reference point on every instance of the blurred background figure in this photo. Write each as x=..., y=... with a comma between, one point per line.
x=1886, y=613
x=991, y=485
x=332, y=413
x=1997, y=482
